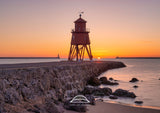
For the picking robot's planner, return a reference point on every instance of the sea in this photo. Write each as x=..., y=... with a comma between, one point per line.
x=146, y=70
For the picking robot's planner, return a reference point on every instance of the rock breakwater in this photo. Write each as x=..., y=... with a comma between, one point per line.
x=42, y=87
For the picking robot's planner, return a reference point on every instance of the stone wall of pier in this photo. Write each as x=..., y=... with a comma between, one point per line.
x=22, y=88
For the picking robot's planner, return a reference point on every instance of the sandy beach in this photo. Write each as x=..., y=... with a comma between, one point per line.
x=103, y=107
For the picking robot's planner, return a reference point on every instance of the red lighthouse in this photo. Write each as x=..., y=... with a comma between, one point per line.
x=80, y=41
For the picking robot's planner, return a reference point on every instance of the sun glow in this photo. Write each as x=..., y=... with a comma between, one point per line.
x=31, y=30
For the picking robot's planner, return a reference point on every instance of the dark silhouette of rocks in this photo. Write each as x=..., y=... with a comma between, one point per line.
x=91, y=99
x=111, y=83
x=124, y=93
x=107, y=91
x=103, y=79
x=94, y=81
x=134, y=80
x=111, y=78
x=88, y=90
x=138, y=102
x=107, y=82
x=135, y=86
x=74, y=107
x=102, y=92
x=97, y=91
x=113, y=97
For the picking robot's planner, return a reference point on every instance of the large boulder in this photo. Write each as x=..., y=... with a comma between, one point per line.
x=134, y=80
x=94, y=81
x=107, y=82
x=88, y=90
x=103, y=79
x=124, y=93
x=75, y=107
x=91, y=99
x=97, y=91
x=107, y=91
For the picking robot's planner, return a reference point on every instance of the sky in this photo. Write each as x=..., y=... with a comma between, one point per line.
x=42, y=28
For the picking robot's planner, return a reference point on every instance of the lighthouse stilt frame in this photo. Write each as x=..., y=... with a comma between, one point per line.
x=78, y=51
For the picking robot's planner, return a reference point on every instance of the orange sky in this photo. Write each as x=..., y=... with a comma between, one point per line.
x=43, y=27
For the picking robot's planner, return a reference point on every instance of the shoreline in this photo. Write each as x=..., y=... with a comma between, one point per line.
x=102, y=107
x=134, y=105
x=111, y=107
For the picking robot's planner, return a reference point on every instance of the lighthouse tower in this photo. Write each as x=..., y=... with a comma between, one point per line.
x=80, y=41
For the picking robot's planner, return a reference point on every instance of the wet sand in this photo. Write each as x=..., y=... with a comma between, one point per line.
x=103, y=107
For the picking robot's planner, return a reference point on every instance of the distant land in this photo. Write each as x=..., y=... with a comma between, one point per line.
x=30, y=57
x=137, y=57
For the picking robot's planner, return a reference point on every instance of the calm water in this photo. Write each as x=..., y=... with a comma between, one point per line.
x=147, y=71
x=17, y=61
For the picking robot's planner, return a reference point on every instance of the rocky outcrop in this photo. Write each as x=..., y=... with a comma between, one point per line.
x=124, y=93
x=103, y=80
x=111, y=78
x=134, y=80
x=96, y=91
x=94, y=81
x=75, y=107
x=107, y=82
x=40, y=87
